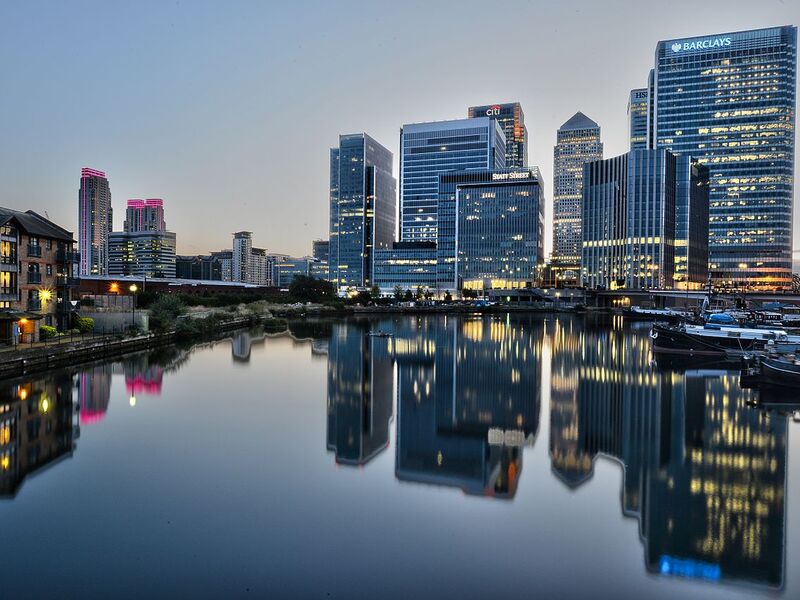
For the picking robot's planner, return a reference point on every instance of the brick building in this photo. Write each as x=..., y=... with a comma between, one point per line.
x=37, y=275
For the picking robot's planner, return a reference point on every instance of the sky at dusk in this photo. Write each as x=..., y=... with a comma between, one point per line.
x=227, y=109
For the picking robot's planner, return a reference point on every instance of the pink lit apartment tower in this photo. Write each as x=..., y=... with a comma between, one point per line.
x=94, y=222
x=145, y=215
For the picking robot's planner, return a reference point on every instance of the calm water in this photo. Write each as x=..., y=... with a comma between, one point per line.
x=471, y=457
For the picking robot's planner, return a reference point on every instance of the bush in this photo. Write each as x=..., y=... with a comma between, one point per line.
x=46, y=332
x=164, y=312
x=84, y=324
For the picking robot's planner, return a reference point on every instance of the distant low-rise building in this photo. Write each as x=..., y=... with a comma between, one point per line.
x=407, y=265
x=144, y=248
x=38, y=266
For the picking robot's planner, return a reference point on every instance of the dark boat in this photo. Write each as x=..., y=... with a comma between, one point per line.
x=720, y=341
x=780, y=370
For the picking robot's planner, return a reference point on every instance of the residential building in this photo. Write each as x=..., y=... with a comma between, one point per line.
x=512, y=120
x=362, y=208
x=497, y=226
x=729, y=100
x=95, y=221
x=631, y=205
x=225, y=258
x=145, y=215
x=638, y=115
x=428, y=150
x=145, y=248
x=38, y=265
x=577, y=143
x=242, y=256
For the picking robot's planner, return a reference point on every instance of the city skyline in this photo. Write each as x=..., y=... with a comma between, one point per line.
x=240, y=142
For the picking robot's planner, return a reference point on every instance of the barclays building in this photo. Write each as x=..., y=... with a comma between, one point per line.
x=729, y=100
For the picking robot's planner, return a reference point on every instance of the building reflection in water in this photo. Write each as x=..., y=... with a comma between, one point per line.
x=360, y=394
x=37, y=428
x=704, y=472
x=94, y=392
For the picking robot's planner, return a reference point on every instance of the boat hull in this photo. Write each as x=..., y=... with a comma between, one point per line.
x=779, y=372
x=667, y=340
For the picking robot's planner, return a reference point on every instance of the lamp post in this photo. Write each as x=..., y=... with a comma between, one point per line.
x=133, y=289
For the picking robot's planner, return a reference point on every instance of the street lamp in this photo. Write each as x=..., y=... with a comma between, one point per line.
x=133, y=288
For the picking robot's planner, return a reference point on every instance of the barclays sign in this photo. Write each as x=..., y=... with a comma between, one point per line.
x=707, y=44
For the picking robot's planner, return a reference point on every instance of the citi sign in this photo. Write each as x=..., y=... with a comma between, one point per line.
x=702, y=44
x=493, y=111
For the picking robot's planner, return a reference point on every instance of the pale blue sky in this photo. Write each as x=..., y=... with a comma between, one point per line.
x=227, y=110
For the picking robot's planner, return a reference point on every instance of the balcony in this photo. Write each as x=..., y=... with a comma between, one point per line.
x=8, y=296
x=34, y=304
x=66, y=281
x=8, y=263
x=34, y=277
x=67, y=256
x=34, y=251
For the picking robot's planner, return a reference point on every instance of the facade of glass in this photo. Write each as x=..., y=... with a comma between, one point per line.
x=491, y=231
x=94, y=222
x=142, y=253
x=512, y=121
x=408, y=265
x=362, y=208
x=691, y=224
x=428, y=150
x=577, y=143
x=638, y=115
x=729, y=100
x=629, y=213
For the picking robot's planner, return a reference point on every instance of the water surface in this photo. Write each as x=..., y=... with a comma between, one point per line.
x=437, y=456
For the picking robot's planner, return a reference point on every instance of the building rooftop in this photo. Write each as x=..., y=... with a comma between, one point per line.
x=33, y=223
x=578, y=121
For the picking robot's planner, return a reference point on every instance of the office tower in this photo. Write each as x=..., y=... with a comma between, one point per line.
x=630, y=207
x=691, y=224
x=498, y=229
x=145, y=248
x=577, y=143
x=320, y=250
x=362, y=208
x=407, y=265
x=145, y=215
x=512, y=122
x=94, y=222
x=429, y=149
x=638, y=115
x=242, y=256
x=729, y=101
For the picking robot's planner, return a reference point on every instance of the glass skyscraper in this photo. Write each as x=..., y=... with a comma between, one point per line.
x=94, y=222
x=729, y=100
x=577, y=142
x=362, y=208
x=691, y=224
x=429, y=149
x=629, y=213
x=499, y=234
x=638, y=115
x=512, y=120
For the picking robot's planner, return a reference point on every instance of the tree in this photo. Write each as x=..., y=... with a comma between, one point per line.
x=418, y=295
x=375, y=293
x=398, y=293
x=408, y=296
x=310, y=289
x=165, y=311
x=428, y=294
x=448, y=297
